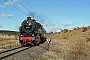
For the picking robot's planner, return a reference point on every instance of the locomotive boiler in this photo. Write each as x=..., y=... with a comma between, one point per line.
x=31, y=32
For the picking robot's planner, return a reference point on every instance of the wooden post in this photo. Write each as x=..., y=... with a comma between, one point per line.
x=48, y=46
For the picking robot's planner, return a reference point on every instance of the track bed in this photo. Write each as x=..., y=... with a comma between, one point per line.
x=34, y=53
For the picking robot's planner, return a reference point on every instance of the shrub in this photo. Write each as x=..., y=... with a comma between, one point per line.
x=78, y=27
x=84, y=29
x=65, y=30
x=61, y=30
x=75, y=29
x=58, y=32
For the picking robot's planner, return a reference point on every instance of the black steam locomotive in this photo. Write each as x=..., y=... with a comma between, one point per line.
x=31, y=32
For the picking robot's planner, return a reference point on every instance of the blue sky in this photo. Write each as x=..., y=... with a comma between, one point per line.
x=52, y=14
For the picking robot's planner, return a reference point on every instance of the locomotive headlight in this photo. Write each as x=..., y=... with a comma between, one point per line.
x=32, y=39
x=27, y=22
x=21, y=35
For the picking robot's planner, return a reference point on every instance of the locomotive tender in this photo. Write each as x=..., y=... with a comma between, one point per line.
x=31, y=32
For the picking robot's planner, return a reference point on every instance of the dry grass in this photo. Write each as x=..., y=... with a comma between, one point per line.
x=8, y=41
x=7, y=37
x=4, y=44
x=68, y=50
x=71, y=45
x=51, y=56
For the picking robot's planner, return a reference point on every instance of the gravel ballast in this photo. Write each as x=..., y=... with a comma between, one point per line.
x=33, y=53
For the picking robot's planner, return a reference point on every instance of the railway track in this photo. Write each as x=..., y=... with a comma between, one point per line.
x=9, y=52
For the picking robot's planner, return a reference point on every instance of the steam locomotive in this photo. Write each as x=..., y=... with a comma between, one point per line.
x=31, y=32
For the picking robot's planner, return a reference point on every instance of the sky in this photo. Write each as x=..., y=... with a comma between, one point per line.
x=54, y=15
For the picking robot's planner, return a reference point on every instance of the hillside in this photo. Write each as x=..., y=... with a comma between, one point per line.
x=71, y=44
x=77, y=34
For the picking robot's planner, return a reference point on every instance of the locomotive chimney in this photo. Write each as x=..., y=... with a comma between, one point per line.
x=28, y=18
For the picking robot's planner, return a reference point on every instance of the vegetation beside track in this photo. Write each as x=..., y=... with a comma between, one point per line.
x=69, y=45
x=5, y=44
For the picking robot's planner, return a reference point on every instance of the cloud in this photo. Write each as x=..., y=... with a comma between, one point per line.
x=9, y=15
x=68, y=24
x=16, y=0
x=46, y=24
x=1, y=25
x=19, y=5
x=6, y=16
x=8, y=3
x=82, y=26
x=3, y=15
x=50, y=27
x=53, y=28
x=2, y=6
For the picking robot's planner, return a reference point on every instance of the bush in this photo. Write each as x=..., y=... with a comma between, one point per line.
x=58, y=32
x=65, y=30
x=84, y=29
x=75, y=29
x=61, y=30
